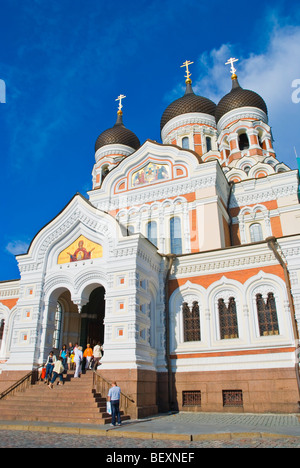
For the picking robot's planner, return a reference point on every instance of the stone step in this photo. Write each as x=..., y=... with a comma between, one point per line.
x=75, y=401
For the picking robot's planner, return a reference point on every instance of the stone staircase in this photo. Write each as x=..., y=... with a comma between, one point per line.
x=74, y=402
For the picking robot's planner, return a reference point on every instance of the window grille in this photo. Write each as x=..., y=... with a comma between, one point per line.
x=228, y=319
x=232, y=398
x=267, y=315
x=191, y=398
x=191, y=322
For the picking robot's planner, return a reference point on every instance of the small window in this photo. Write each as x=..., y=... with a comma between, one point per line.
x=267, y=315
x=256, y=233
x=191, y=322
x=191, y=398
x=208, y=144
x=185, y=143
x=105, y=171
x=130, y=229
x=243, y=141
x=152, y=232
x=228, y=319
x=232, y=398
x=175, y=235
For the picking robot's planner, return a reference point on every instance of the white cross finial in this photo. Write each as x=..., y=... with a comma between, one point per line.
x=186, y=65
x=231, y=61
x=120, y=100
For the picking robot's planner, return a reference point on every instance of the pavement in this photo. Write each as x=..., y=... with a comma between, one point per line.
x=190, y=427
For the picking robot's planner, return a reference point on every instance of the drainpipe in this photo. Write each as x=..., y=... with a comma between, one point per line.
x=273, y=245
x=231, y=184
x=170, y=258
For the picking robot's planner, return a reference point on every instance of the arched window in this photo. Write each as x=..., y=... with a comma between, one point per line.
x=175, y=235
x=256, y=233
x=208, y=143
x=105, y=171
x=191, y=322
x=228, y=319
x=57, y=326
x=152, y=232
x=267, y=315
x=185, y=143
x=243, y=141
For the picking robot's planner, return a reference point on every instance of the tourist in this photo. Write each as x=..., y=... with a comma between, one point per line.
x=77, y=360
x=70, y=356
x=88, y=354
x=114, y=395
x=97, y=353
x=51, y=360
x=64, y=355
x=58, y=372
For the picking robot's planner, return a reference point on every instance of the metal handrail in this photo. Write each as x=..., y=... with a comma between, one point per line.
x=21, y=384
x=102, y=385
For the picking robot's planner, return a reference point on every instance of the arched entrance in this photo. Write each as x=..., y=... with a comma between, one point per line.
x=66, y=324
x=92, y=318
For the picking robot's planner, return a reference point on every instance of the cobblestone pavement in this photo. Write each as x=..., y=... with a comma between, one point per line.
x=27, y=439
x=185, y=431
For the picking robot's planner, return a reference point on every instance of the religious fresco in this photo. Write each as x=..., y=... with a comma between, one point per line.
x=81, y=249
x=150, y=173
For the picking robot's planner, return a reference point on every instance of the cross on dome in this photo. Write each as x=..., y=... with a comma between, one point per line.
x=119, y=98
x=186, y=64
x=231, y=61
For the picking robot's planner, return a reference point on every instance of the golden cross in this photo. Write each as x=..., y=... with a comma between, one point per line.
x=231, y=61
x=120, y=100
x=186, y=64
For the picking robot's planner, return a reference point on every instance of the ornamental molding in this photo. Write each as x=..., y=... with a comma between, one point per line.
x=241, y=113
x=155, y=194
x=228, y=264
x=261, y=196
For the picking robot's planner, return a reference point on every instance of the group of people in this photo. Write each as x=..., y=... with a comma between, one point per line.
x=69, y=358
x=89, y=359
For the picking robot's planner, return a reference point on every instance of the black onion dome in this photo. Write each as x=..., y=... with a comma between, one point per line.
x=118, y=135
x=239, y=97
x=188, y=103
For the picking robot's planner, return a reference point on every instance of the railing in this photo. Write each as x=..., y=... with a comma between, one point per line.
x=21, y=385
x=102, y=386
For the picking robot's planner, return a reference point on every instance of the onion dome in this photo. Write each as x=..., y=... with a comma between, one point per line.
x=189, y=103
x=118, y=135
x=237, y=98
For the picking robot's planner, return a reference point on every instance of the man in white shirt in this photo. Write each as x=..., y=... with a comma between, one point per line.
x=114, y=395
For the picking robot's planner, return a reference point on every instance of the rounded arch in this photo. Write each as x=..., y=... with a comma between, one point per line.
x=265, y=284
x=187, y=293
x=224, y=290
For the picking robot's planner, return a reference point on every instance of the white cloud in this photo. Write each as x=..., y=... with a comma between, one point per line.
x=17, y=247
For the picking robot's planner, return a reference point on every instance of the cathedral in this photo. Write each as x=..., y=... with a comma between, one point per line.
x=184, y=262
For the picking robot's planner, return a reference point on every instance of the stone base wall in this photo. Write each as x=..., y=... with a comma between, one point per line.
x=263, y=390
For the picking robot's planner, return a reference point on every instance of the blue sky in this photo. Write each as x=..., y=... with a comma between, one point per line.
x=64, y=63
